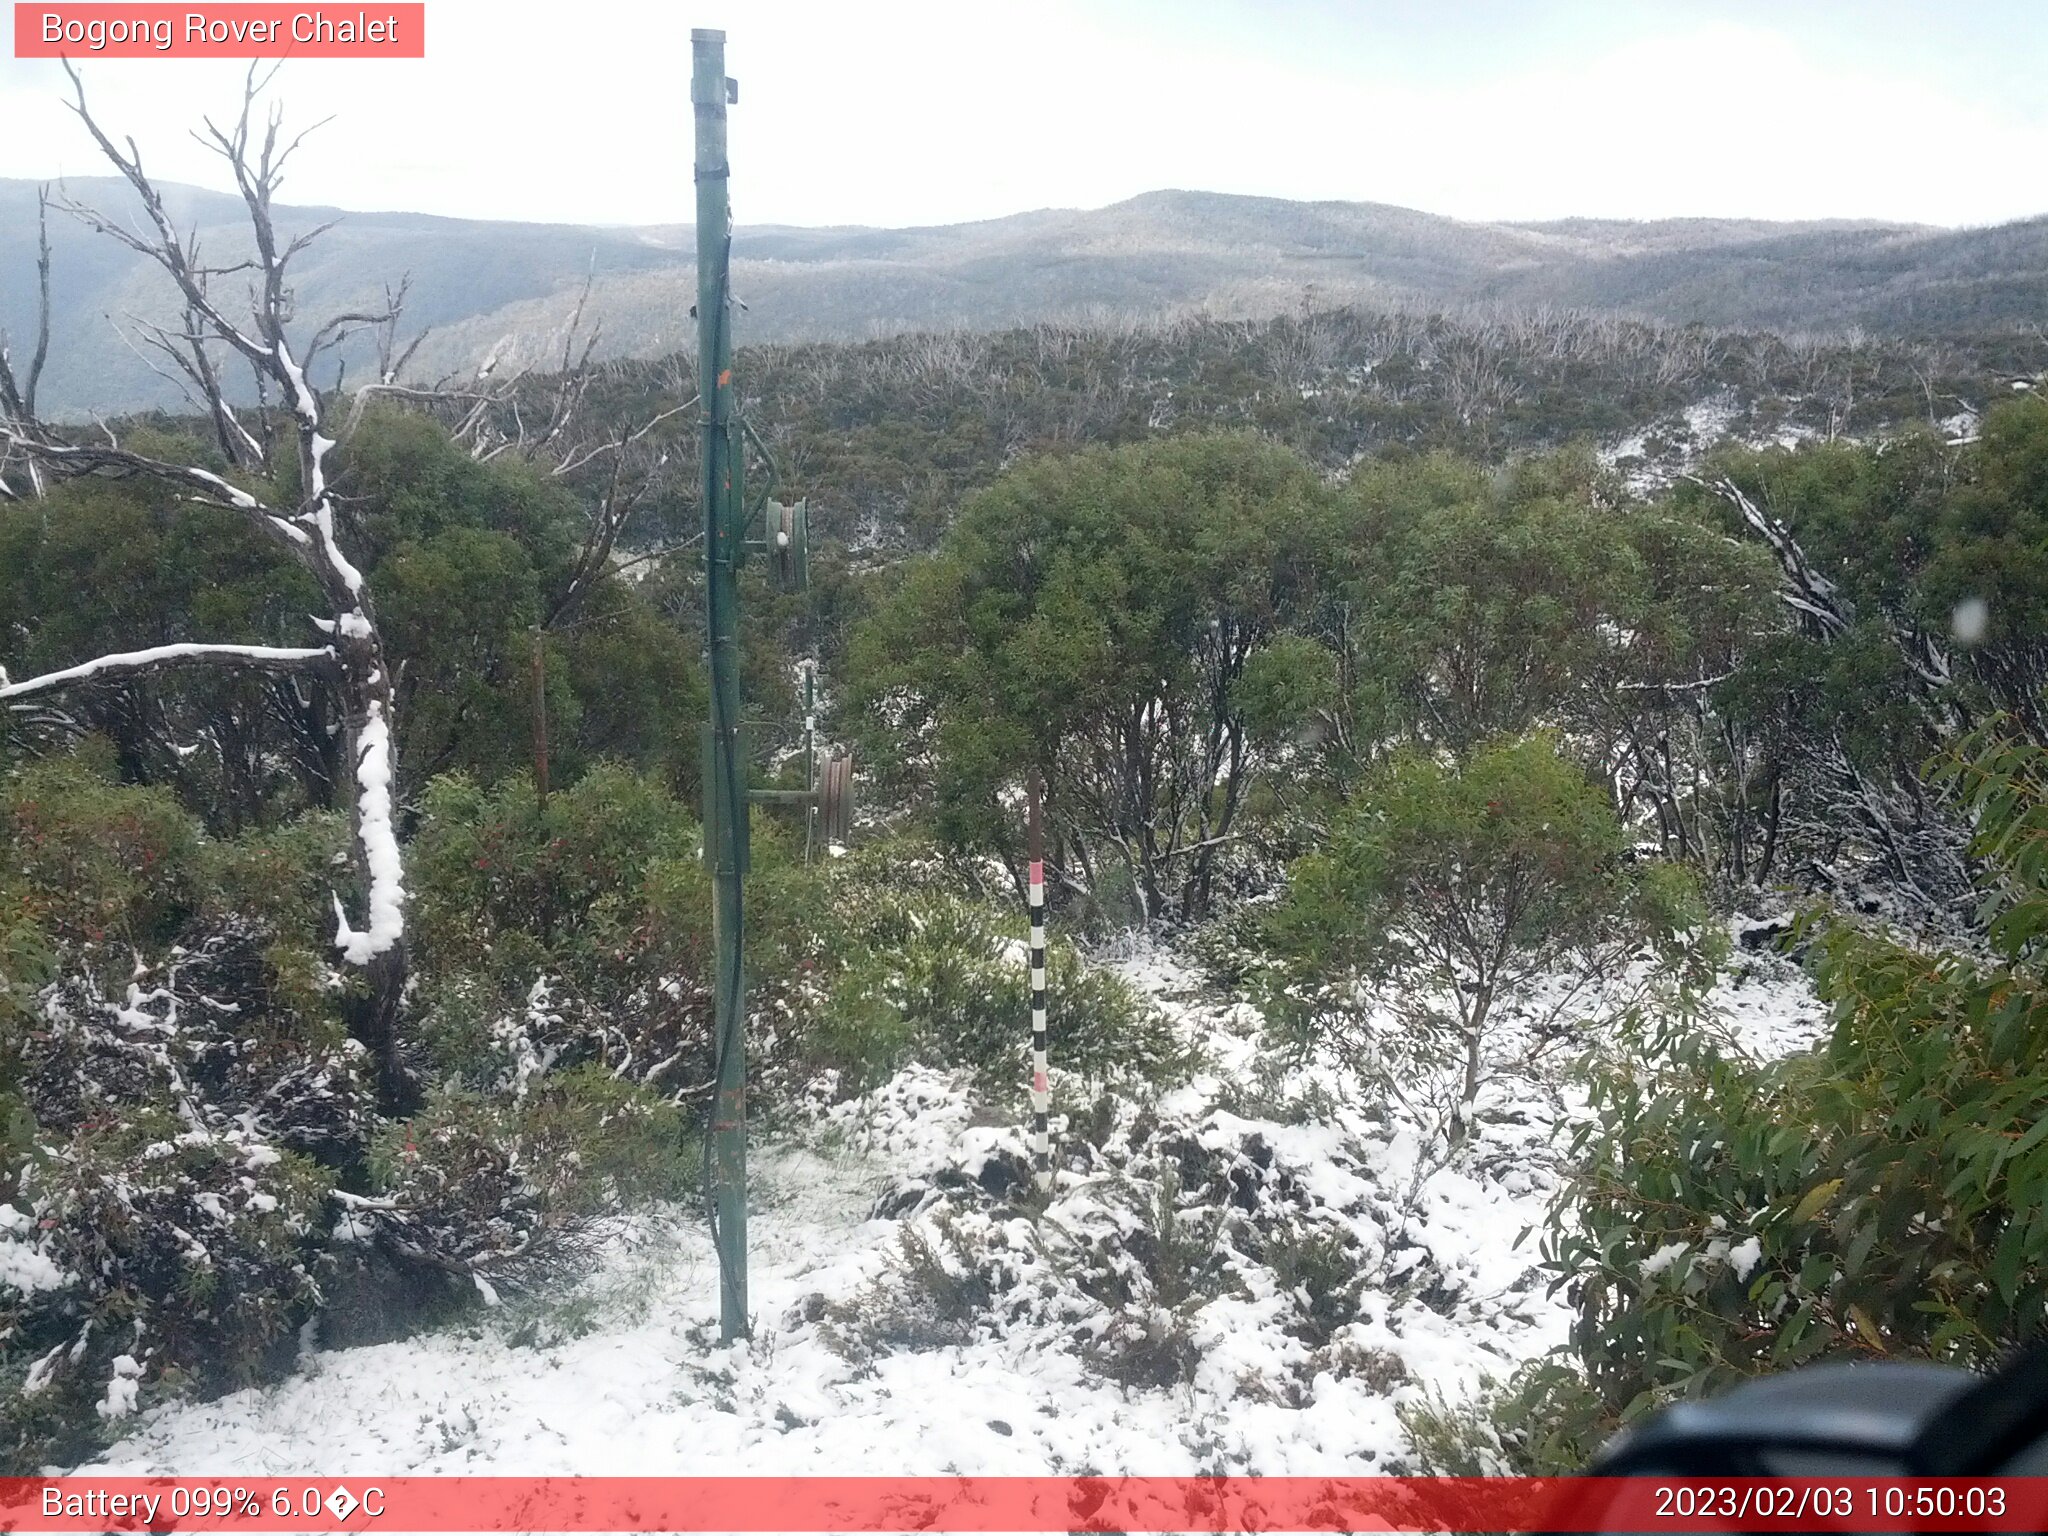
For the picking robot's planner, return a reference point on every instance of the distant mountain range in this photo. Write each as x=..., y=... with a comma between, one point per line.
x=505, y=289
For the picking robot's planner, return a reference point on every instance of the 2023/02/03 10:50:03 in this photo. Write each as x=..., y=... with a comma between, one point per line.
x=1819, y=1500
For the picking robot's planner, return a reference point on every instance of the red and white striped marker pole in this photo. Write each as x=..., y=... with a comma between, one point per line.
x=1041, y=1097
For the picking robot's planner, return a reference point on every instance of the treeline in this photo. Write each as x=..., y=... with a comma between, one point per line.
x=1196, y=635
x=889, y=435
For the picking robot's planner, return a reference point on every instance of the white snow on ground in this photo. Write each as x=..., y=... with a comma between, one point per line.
x=1651, y=458
x=625, y=1374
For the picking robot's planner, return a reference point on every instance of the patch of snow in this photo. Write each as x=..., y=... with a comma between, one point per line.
x=1663, y=1259
x=133, y=660
x=23, y=1267
x=1454, y=1294
x=122, y=1389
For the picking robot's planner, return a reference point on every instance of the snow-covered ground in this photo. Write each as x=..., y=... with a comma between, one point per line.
x=1655, y=456
x=625, y=1374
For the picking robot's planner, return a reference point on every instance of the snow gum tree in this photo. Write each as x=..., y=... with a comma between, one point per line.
x=1117, y=619
x=274, y=472
x=1467, y=885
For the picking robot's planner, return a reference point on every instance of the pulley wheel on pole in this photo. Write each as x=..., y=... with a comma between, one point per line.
x=787, y=536
x=835, y=800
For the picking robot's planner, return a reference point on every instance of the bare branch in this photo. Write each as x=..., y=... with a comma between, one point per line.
x=18, y=396
x=259, y=658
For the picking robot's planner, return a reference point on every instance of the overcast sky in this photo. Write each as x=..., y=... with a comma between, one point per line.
x=899, y=112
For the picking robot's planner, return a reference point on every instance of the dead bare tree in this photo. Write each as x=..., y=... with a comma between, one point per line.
x=1916, y=837
x=18, y=387
x=351, y=660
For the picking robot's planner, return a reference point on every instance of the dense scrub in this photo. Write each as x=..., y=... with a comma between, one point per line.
x=1499, y=741
x=890, y=435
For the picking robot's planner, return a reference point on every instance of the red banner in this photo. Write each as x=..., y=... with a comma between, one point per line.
x=240, y=31
x=1024, y=1504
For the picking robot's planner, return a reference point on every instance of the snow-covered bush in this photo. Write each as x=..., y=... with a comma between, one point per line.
x=1178, y=1238
x=179, y=1097
x=172, y=1144
x=502, y=1190
x=206, y=1034
x=1878, y=1196
x=143, y=1252
x=939, y=1290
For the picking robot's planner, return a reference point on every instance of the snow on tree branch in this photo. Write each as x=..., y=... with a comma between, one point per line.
x=380, y=843
x=261, y=658
x=359, y=682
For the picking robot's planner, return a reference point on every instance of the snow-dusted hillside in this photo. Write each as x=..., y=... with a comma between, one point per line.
x=1246, y=1275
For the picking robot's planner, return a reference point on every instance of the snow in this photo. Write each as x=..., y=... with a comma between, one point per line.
x=323, y=520
x=624, y=1374
x=1663, y=1259
x=128, y=661
x=306, y=406
x=122, y=1389
x=234, y=495
x=22, y=1267
x=1971, y=621
x=514, y=1036
x=1686, y=437
x=303, y=404
x=379, y=838
x=1745, y=1256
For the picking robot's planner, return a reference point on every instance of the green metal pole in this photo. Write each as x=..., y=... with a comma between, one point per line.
x=725, y=796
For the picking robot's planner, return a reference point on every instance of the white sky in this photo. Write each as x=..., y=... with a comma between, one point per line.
x=894, y=112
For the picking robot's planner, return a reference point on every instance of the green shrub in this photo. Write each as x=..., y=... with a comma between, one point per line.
x=1879, y=1196
x=92, y=861
x=490, y=864
x=502, y=1191
x=280, y=878
x=27, y=963
x=600, y=900
x=1546, y=1420
x=945, y=979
